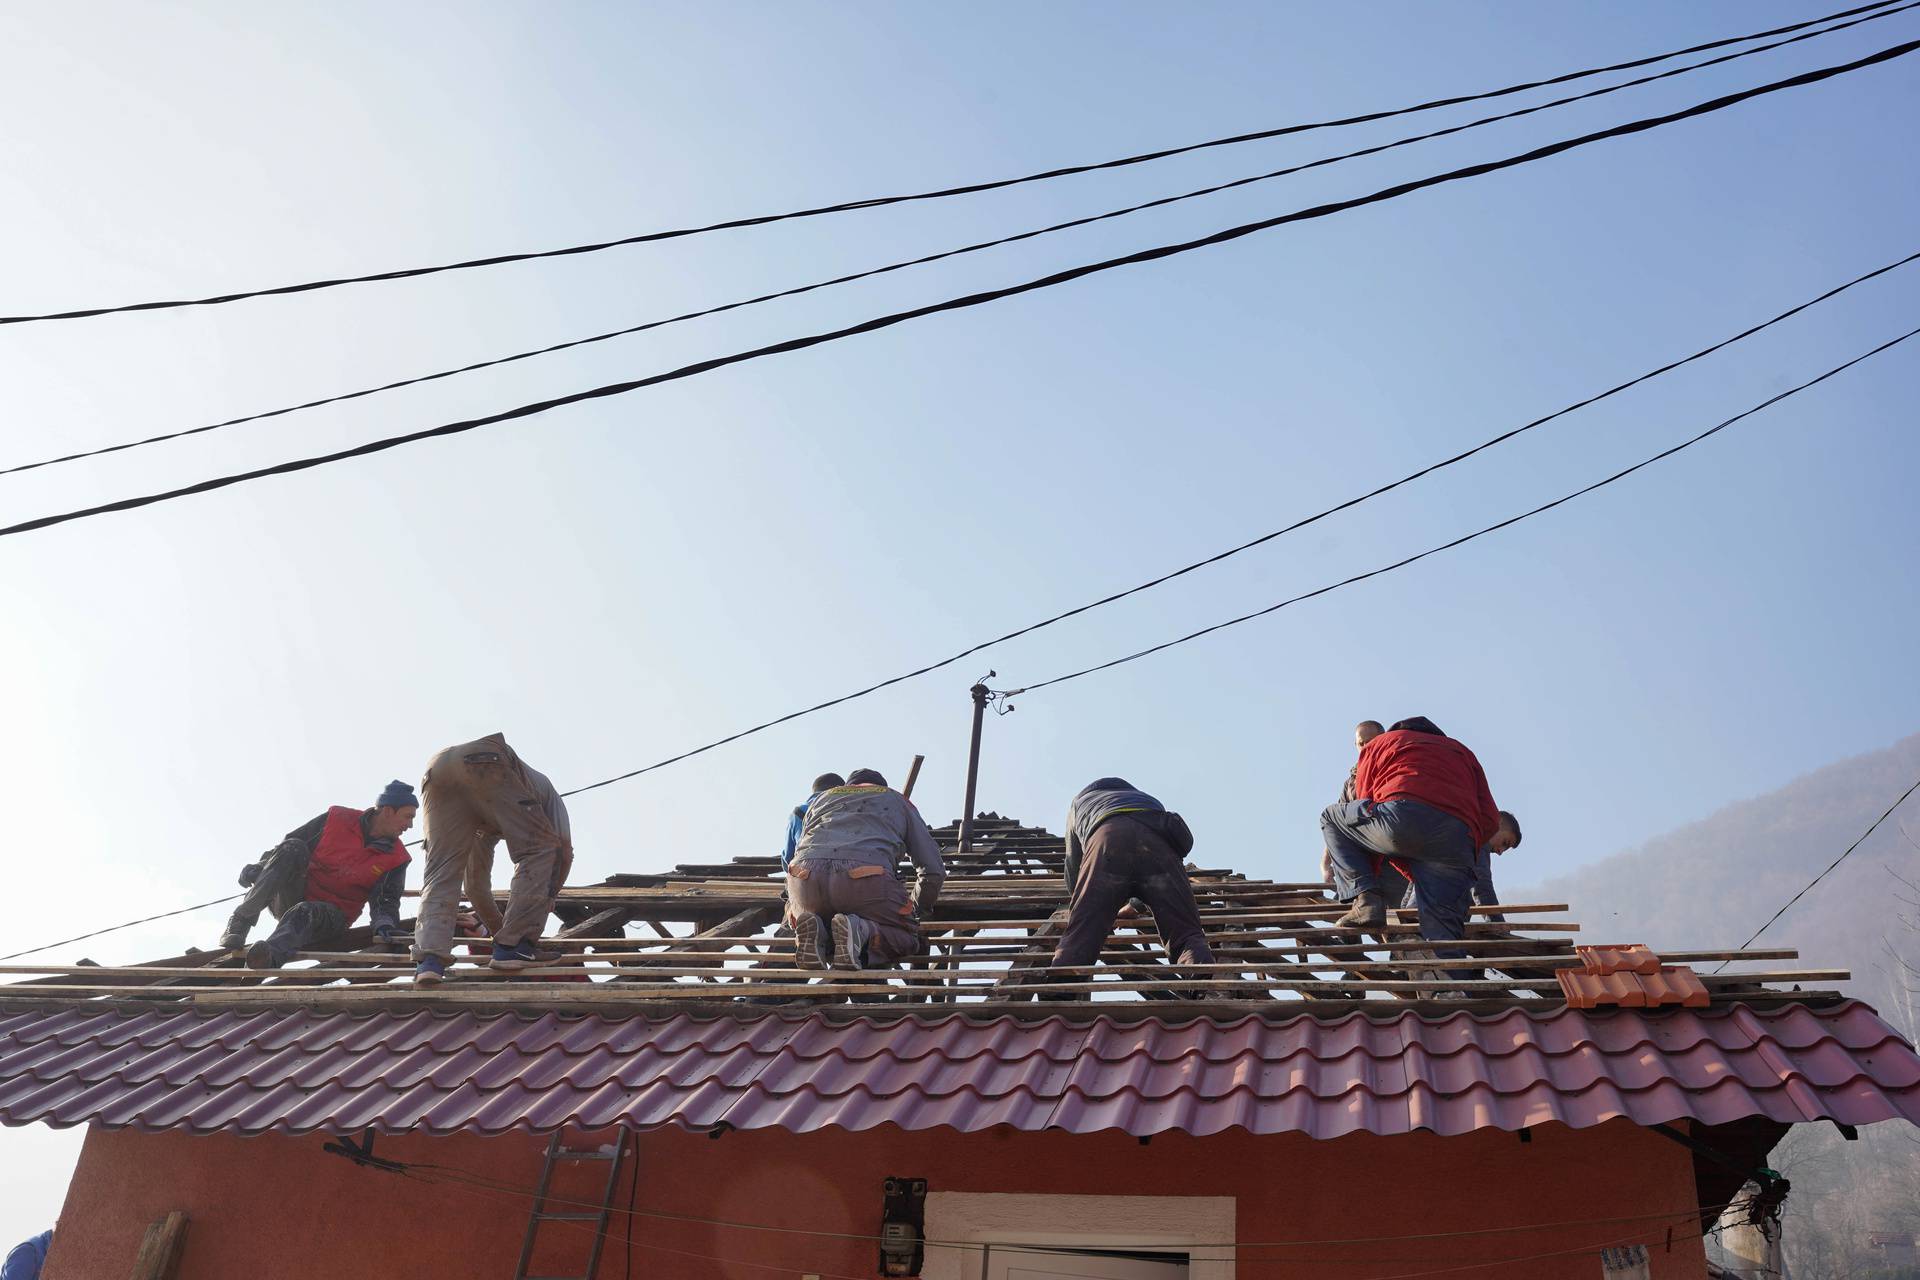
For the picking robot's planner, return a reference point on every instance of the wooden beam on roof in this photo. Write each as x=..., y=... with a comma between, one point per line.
x=1042, y=941
x=160, y=1248
x=599, y=922
x=718, y=938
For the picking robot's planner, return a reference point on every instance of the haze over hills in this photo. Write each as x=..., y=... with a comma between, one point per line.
x=1713, y=882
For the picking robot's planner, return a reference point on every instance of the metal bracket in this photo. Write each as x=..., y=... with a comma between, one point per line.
x=362, y=1153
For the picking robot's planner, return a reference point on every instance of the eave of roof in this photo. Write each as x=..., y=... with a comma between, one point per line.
x=298, y=1071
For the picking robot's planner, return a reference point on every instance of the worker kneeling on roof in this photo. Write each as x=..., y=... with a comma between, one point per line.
x=1122, y=845
x=319, y=879
x=1423, y=804
x=843, y=878
x=477, y=794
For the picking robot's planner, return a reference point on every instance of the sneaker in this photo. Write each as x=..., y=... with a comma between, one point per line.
x=509, y=959
x=848, y=944
x=260, y=956
x=431, y=972
x=806, y=942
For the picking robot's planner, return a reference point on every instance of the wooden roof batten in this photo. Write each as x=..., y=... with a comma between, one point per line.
x=716, y=947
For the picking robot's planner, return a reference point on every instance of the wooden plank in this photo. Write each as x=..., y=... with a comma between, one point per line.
x=160, y=1249
x=717, y=938
x=597, y=923
x=1200, y=975
x=500, y=999
x=1042, y=942
x=1506, y=946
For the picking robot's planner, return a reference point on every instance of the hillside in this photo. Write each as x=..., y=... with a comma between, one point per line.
x=1712, y=882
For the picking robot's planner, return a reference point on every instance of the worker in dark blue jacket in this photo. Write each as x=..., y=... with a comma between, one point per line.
x=798, y=819
x=25, y=1260
x=1122, y=844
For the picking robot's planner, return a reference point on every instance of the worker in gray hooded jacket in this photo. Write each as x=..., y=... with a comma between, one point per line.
x=843, y=881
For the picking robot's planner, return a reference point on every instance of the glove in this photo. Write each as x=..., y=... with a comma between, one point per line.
x=249, y=874
x=385, y=933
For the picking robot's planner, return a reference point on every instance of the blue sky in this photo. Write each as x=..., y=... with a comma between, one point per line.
x=615, y=582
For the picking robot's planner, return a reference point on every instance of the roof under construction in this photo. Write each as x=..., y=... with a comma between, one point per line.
x=677, y=1002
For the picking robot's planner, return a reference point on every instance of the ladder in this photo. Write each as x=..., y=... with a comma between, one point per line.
x=560, y=1154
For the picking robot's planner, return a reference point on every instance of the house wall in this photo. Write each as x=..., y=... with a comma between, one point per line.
x=278, y=1207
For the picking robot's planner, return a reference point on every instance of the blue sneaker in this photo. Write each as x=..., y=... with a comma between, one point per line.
x=431, y=972
x=519, y=956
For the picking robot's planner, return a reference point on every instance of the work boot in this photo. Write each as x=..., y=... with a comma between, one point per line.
x=260, y=956
x=1369, y=911
x=431, y=972
x=232, y=941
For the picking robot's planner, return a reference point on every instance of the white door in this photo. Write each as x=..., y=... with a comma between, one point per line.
x=1013, y=1265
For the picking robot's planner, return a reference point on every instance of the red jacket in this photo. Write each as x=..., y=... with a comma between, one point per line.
x=344, y=866
x=1404, y=765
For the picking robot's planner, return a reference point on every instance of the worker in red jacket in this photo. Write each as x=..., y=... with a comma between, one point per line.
x=320, y=878
x=1421, y=799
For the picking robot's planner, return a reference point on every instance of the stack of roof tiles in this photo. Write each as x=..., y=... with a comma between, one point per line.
x=1631, y=977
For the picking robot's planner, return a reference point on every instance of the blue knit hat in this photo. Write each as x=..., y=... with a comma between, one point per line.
x=398, y=795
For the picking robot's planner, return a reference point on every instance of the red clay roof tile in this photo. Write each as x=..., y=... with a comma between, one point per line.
x=1632, y=958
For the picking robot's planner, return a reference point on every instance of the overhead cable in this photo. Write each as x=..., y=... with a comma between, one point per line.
x=115, y=928
x=1152, y=582
x=1903, y=6
x=1478, y=533
x=968, y=300
x=874, y=202
x=1872, y=827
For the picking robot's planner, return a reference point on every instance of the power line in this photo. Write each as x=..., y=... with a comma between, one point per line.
x=1150, y=583
x=1478, y=533
x=1251, y=543
x=1070, y=224
x=115, y=928
x=875, y=202
x=1873, y=827
x=970, y=300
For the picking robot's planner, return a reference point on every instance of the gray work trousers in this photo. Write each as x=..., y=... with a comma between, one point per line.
x=279, y=884
x=307, y=924
x=873, y=898
x=475, y=796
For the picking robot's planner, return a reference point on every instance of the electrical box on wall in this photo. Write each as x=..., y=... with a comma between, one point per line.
x=903, y=1226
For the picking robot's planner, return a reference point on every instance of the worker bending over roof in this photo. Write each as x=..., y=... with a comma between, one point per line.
x=1422, y=801
x=477, y=794
x=843, y=876
x=320, y=878
x=1123, y=844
